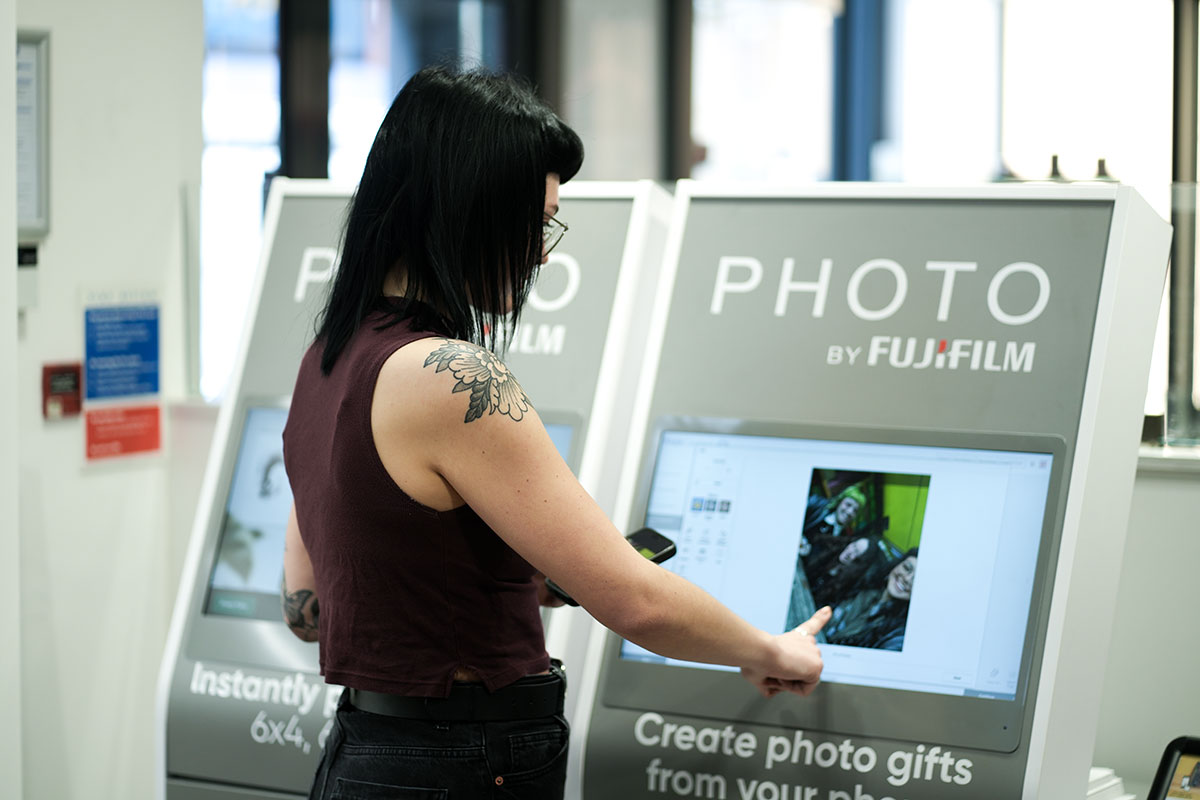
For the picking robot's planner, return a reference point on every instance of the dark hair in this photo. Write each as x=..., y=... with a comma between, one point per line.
x=454, y=188
x=829, y=579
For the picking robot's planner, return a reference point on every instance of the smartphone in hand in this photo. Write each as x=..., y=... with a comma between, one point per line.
x=647, y=541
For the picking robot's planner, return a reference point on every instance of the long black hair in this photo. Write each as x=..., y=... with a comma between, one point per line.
x=453, y=189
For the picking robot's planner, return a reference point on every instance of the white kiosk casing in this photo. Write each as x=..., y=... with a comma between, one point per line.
x=242, y=711
x=794, y=280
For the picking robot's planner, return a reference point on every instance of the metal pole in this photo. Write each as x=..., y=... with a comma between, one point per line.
x=304, y=63
x=1181, y=411
x=679, y=155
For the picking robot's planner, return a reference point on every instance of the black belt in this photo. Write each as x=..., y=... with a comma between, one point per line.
x=530, y=697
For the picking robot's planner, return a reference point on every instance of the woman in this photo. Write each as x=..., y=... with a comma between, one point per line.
x=837, y=568
x=876, y=617
x=829, y=518
x=429, y=499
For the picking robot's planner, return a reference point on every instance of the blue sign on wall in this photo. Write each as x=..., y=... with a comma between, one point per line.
x=121, y=345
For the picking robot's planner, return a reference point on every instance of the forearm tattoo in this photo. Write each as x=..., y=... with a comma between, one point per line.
x=493, y=388
x=301, y=611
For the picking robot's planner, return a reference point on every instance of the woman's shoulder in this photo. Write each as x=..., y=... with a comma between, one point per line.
x=453, y=377
x=448, y=407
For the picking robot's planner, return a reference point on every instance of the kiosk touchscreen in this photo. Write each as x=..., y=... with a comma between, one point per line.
x=248, y=567
x=926, y=545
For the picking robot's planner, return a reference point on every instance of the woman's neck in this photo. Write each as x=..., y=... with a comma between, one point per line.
x=395, y=284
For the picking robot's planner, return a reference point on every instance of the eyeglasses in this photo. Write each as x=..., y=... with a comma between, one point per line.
x=552, y=233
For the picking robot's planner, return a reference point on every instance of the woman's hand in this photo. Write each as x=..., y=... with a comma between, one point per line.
x=798, y=660
x=545, y=596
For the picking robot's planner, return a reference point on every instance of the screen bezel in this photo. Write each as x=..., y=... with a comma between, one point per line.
x=963, y=721
x=246, y=640
x=575, y=423
x=221, y=514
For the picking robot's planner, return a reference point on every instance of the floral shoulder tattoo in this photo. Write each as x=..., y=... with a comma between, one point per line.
x=493, y=388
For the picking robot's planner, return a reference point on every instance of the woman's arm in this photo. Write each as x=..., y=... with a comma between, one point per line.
x=299, y=590
x=546, y=597
x=467, y=423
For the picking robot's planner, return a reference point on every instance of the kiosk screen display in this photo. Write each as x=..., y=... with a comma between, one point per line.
x=927, y=554
x=248, y=565
x=561, y=434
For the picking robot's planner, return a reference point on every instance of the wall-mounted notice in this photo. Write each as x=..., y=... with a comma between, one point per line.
x=33, y=174
x=123, y=431
x=121, y=372
x=121, y=351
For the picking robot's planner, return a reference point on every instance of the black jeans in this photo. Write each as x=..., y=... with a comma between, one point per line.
x=372, y=757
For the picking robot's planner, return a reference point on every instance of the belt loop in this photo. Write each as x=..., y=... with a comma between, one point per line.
x=557, y=668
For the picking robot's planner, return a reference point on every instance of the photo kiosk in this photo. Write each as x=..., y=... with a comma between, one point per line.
x=919, y=407
x=243, y=712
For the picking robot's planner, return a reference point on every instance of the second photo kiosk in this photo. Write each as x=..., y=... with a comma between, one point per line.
x=920, y=407
x=243, y=713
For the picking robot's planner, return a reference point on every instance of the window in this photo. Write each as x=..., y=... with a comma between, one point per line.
x=941, y=93
x=1107, y=96
x=762, y=90
x=376, y=47
x=241, y=146
x=971, y=90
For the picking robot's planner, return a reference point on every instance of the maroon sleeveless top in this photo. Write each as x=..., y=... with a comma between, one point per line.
x=407, y=594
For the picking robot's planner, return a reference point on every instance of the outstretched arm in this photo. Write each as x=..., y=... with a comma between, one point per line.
x=459, y=407
x=299, y=590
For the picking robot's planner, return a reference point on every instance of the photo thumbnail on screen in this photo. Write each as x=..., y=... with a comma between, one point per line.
x=858, y=554
x=1185, y=783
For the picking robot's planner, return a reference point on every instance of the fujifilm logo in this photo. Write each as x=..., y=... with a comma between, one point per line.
x=742, y=275
x=910, y=352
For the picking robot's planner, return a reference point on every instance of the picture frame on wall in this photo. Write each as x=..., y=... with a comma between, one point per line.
x=33, y=136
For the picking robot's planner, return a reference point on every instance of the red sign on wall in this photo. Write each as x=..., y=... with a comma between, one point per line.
x=123, y=431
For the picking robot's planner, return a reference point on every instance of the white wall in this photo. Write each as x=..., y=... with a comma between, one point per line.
x=192, y=426
x=1150, y=678
x=96, y=588
x=10, y=616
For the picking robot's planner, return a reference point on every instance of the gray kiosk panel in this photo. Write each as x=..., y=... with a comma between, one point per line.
x=874, y=343
x=557, y=349
x=244, y=709
x=954, y=314
x=247, y=706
